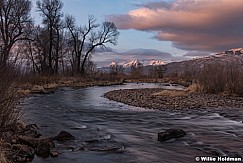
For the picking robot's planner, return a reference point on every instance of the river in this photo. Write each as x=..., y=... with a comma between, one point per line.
x=89, y=116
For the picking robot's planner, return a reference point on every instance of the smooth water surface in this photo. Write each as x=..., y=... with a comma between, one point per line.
x=88, y=116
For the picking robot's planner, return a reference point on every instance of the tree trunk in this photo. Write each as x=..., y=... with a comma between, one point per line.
x=5, y=55
x=50, y=51
x=85, y=58
x=84, y=61
x=77, y=64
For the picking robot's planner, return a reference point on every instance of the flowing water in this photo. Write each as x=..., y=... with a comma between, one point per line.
x=130, y=132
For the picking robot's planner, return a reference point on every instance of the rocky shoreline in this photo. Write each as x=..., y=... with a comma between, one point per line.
x=23, y=143
x=144, y=98
x=26, y=142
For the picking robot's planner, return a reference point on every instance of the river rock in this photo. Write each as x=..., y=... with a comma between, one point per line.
x=63, y=136
x=54, y=153
x=33, y=142
x=170, y=134
x=166, y=84
x=43, y=149
x=32, y=130
x=25, y=153
x=13, y=141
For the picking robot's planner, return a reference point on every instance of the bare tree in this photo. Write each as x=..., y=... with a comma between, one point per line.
x=107, y=34
x=50, y=10
x=137, y=70
x=158, y=71
x=40, y=50
x=116, y=69
x=14, y=25
x=85, y=39
x=78, y=37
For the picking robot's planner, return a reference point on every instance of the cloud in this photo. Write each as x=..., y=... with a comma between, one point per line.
x=147, y=53
x=196, y=25
x=155, y=5
x=197, y=54
x=103, y=50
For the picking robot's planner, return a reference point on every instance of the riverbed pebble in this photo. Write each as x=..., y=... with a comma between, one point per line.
x=144, y=98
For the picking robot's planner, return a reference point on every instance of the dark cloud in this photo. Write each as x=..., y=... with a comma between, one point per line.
x=194, y=25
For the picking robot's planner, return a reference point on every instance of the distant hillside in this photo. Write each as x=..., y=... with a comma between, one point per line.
x=232, y=57
x=147, y=52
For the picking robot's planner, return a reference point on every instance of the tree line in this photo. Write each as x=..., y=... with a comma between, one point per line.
x=57, y=46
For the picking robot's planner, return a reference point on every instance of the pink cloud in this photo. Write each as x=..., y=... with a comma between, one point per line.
x=189, y=24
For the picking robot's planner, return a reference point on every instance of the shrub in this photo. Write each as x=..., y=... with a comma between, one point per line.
x=8, y=98
x=221, y=79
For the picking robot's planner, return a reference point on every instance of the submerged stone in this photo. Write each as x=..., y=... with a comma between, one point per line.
x=63, y=135
x=170, y=134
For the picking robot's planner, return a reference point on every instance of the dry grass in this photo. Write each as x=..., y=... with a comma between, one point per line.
x=170, y=93
x=3, y=158
x=44, y=85
x=193, y=88
x=37, y=88
x=51, y=86
x=8, y=98
x=23, y=92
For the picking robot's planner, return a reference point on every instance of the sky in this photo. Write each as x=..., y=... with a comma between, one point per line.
x=183, y=28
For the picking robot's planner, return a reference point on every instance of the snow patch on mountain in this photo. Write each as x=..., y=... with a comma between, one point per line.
x=234, y=51
x=137, y=63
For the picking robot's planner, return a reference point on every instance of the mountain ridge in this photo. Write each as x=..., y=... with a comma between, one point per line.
x=232, y=57
x=229, y=57
x=137, y=63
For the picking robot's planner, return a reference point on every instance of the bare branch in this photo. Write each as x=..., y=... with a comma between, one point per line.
x=14, y=18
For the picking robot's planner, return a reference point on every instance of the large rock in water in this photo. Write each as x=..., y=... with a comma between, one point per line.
x=63, y=136
x=42, y=146
x=170, y=134
x=43, y=149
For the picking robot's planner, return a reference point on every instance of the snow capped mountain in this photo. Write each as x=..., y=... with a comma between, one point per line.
x=230, y=57
x=113, y=63
x=234, y=51
x=156, y=62
x=137, y=63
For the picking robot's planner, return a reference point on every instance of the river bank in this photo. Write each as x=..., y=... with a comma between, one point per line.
x=50, y=87
x=41, y=85
x=147, y=98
